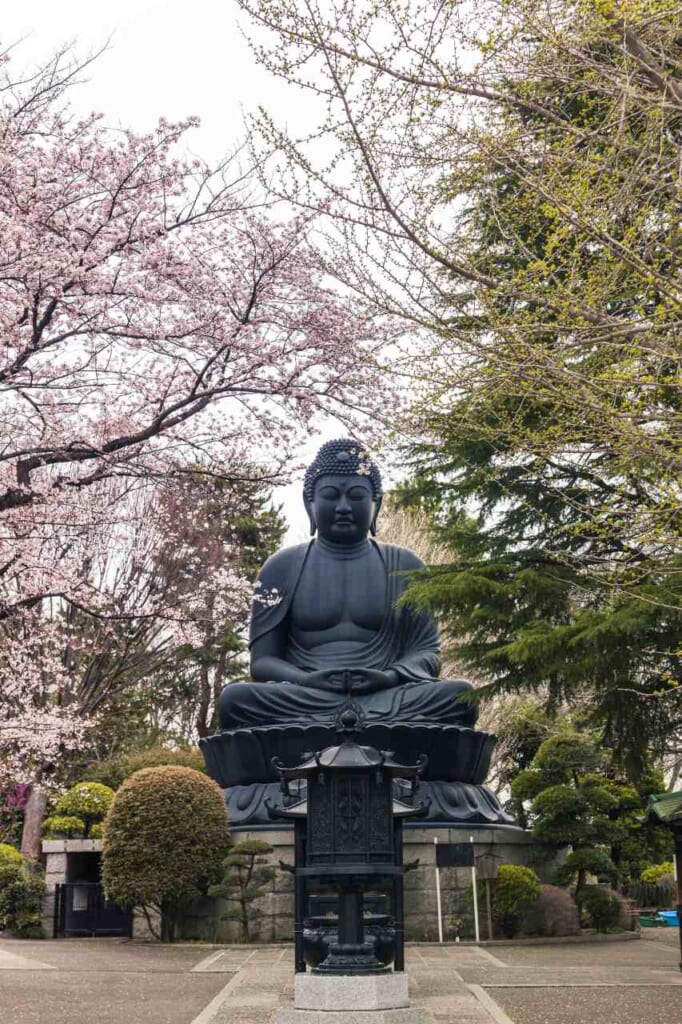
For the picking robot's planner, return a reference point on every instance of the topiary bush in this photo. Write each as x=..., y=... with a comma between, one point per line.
x=89, y=801
x=587, y=861
x=114, y=771
x=63, y=826
x=516, y=890
x=165, y=838
x=22, y=887
x=554, y=913
x=601, y=907
x=657, y=872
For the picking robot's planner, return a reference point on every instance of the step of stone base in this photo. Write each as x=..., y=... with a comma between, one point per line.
x=407, y=1015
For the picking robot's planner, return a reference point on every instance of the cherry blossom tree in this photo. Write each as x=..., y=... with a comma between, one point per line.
x=153, y=317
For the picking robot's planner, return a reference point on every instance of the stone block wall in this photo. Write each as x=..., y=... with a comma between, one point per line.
x=205, y=919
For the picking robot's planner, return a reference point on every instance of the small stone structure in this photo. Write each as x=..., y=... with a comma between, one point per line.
x=67, y=860
x=506, y=845
x=76, y=860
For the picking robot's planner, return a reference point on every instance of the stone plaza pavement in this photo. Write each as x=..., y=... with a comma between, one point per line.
x=105, y=980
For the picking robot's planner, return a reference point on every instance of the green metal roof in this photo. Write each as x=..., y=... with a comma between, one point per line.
x=667, y=807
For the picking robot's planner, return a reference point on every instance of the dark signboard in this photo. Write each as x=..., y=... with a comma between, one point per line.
x=455, y=855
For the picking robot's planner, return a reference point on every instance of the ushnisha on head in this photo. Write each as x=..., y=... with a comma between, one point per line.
x=342, y=492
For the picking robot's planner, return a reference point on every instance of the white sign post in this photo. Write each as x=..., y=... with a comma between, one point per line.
x=473, y=882
x=440, y=913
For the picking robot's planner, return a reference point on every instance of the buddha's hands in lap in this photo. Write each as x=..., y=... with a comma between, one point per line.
x=368, y=680
x=351, y=680
x=333, y=680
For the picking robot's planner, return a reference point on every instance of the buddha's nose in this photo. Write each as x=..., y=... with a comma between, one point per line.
x=344, y=507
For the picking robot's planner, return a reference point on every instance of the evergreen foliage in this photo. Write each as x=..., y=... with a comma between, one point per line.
x=601, y=907
x=9, y=855
x=22, y=887
x=550, y=462
x=165, y=838
x=87, y=801
x=656, y=872
x=516, y=889
x=247, y=873
x=115, y=770
x=576, y=800
x=64, y=826
x=521, y=725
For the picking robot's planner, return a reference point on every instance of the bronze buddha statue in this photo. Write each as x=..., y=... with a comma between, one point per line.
x=328, y=629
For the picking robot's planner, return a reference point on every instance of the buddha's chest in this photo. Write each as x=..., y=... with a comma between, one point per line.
x=333, y=591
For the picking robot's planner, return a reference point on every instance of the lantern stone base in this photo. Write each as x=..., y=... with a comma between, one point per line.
x=407, y=1015
x=343, y=992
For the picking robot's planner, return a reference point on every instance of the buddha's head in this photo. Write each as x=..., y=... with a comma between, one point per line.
x=342, y=492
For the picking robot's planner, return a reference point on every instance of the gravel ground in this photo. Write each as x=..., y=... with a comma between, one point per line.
x=636, y=1005
x=658, y=948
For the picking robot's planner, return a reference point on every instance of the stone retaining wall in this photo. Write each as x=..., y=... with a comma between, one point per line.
x=206, y=920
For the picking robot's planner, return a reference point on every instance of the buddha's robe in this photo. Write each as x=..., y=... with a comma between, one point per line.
x=407, y=642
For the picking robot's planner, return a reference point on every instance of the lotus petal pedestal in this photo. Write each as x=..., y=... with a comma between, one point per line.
x=241, y=760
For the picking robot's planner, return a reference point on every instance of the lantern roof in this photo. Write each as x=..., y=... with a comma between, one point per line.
x=350, y=755
x=666, y=808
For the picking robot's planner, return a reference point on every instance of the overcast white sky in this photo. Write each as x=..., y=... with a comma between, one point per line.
x=172, y=58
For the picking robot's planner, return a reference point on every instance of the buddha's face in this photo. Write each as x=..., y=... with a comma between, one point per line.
x=343, y=507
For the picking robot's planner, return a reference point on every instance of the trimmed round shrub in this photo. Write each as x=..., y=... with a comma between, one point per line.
x=22, y=887
x=97, y=830
x=165, y=839
x=554, y=913
x=601, y=906
x=63, y=826
x=516, y=890
x=116, y=770
x=657, y=872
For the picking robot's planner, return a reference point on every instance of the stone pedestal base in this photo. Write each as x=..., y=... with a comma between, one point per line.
x=408, y=1015
x=343, y=992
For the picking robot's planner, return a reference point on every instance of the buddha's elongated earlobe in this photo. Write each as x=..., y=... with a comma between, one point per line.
x=373, y=524
x=311, y=515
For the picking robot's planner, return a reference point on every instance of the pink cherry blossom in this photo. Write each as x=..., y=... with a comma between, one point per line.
x=153, y=319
